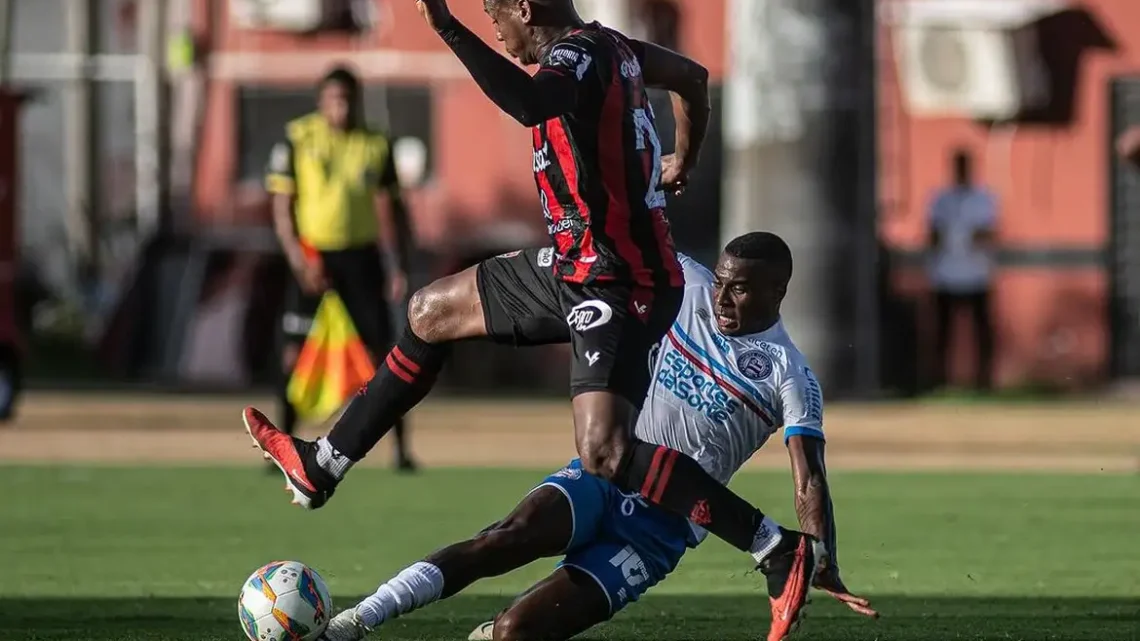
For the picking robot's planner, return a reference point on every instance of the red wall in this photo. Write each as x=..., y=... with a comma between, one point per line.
x=1052, y=182
x=482, y=168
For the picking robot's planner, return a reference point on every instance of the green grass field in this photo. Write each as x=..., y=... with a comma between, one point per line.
x=107, y=554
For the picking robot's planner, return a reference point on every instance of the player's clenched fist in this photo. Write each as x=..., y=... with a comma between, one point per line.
x=435, y=12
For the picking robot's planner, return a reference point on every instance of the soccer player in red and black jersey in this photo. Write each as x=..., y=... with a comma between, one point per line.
x=609, y=284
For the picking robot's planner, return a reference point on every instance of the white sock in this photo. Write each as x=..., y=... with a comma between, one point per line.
x=413, y=588
x=766, y=539
x=332, y=461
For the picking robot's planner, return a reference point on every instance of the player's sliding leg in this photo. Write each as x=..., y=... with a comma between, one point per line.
x=446, y=310
x=564, y=604
x=540, y=526
x=672, y=480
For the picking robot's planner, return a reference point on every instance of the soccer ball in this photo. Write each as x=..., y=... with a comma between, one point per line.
x=284, y=601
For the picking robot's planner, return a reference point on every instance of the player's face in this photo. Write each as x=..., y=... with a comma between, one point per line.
x=746, y=296
x=511, y=29
x=334, y=104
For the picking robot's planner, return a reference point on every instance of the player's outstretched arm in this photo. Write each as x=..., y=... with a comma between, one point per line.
x=814, y=509
x=688, y=82
x=528, y=99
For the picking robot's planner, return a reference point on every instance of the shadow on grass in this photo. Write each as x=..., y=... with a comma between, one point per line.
x=656, y=618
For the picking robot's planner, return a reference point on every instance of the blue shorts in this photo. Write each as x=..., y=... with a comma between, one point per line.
x=624, y=543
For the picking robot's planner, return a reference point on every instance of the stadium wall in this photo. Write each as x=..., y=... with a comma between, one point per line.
x=1050, y=170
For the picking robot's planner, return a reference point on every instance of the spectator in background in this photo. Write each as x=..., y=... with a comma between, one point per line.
x=342, y=224
x=962, y=220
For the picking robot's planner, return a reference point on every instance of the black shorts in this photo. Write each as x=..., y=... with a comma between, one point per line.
x=611, y=328
x=357, y=275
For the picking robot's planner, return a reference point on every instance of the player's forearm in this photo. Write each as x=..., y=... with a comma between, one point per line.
x=814, y=509
x=514, y=90
x=691, y=115
x=813, y=496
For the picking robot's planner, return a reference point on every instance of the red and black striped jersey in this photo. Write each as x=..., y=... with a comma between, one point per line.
x=598, y=168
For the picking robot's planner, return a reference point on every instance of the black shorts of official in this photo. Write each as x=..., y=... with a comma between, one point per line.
x=357, y=275
x=612, y=328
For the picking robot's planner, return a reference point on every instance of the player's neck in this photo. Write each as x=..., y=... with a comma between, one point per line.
x=546, y=36
x=556, y=27
x=765, y=324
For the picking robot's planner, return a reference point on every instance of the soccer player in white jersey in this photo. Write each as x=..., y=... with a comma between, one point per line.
x=726, y=378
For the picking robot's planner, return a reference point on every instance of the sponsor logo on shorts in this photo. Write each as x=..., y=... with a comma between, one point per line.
x=571, y=473
x=700, y=392
x=592, y=357
x=545, y=257
x=589, y=315
x=754, y=364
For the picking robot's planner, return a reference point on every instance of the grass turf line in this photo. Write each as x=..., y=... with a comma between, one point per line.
x=109, y=554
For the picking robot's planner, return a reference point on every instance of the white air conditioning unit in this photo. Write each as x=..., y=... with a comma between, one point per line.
x=971, y=58
x=278, y=15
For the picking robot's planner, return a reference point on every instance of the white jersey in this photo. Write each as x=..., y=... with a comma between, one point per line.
x=719, y=398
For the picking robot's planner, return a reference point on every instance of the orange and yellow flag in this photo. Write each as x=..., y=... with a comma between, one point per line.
x=333, y=363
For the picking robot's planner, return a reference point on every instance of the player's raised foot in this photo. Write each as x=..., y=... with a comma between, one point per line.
x=345, y=626
x=311, y=487
x=483, y=632
x=790, y=569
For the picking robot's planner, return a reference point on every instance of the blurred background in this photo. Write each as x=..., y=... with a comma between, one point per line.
x=136, y=246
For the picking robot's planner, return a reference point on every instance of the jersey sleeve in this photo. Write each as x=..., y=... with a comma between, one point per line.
x=695, y=273
x=802, y=401
x=280, y=177
x=573, y=58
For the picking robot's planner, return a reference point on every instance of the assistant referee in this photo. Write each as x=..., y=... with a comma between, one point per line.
x=342, y=224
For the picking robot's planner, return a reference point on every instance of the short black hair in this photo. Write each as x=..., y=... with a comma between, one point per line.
x=343, y=76
x=762, y=246
x=489, y=5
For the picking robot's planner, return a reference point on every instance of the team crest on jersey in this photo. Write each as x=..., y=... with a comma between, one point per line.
x=754, y=364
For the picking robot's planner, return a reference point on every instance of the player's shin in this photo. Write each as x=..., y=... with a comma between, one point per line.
x=677, y=483
x=414, y=587
x=403, y=379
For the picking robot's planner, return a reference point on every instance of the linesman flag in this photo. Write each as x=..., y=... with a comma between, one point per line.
x=333, y=363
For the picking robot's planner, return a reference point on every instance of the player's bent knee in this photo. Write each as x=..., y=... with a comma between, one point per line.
x=428, y=311
x=447, y=309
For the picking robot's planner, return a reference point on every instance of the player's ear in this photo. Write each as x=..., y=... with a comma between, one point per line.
x=526, y=12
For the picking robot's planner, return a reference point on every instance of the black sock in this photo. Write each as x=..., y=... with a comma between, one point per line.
x=403, y=380
x=675, y=482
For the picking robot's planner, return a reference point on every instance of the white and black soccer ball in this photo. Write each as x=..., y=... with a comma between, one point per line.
x=284, y=601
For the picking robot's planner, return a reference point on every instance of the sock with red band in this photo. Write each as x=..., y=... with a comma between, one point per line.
x=404, y=378
x=675, y=482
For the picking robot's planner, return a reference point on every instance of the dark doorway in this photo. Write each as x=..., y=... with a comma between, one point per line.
x=1124, y=236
